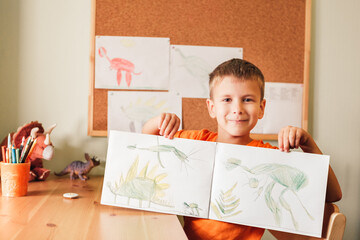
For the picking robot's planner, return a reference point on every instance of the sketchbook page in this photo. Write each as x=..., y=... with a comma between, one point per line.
x=283, y=107
x=129, y=111
x=152, y=173
x=270, y=189
x=190, y=67
x=132, y=62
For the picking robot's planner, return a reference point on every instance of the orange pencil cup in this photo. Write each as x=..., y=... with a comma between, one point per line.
x=14, y=179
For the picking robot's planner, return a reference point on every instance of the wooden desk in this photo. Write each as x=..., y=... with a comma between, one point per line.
x=45, y=214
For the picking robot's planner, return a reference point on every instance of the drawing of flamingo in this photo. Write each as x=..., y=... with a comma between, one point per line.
x=120, y=64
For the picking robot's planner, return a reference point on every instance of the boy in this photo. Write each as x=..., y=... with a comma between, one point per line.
x=236, y=102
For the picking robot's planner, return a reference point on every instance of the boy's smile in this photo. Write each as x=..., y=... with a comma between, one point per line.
x=237, y=107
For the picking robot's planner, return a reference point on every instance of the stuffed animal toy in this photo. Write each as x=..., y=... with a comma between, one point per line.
x=42, y=150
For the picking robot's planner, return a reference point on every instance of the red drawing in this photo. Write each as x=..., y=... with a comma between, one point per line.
x=120, y=64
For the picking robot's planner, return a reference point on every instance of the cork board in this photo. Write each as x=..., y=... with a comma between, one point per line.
x=274, y=36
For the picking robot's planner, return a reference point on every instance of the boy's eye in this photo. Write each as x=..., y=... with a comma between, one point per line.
x=248, y=100
x=226, y=99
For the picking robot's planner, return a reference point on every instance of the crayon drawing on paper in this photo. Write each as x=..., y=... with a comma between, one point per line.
x=274, y=190
x=191, y=65
x=252, y=186
x=150, y=172
x=131, y=62
x=128, y=111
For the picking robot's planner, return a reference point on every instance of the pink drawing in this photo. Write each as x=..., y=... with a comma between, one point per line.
x=120, y=64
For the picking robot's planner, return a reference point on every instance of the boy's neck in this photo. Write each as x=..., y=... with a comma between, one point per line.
x=227, y=138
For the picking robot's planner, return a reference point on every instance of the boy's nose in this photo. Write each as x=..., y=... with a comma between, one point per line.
x=238, y=108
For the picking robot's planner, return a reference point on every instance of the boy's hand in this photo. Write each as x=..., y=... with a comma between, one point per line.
x=293, y=137
x=165, y=124
x=168, y=125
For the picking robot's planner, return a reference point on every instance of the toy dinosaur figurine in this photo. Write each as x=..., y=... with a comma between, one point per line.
x=79, y=168
x=42, y=150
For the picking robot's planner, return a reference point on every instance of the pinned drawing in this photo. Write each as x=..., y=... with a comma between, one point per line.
x=143, y=186
x=143, y=110
x=283, y=107
x=226, y=204
x=120, y=65
x=194, y=65
x=197, y=67
x=132, y=59
x=191, y=66
x=129, y=111
x=290, y=178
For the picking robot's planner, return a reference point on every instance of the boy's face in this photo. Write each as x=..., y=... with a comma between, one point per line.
x=236, y=106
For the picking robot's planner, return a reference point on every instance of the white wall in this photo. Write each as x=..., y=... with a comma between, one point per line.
x=335, y=118
x=44, y=63
x=44, y=69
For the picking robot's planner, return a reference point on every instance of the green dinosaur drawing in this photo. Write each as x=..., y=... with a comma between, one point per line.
x=197, y=67
x=143, y=186
x=193, y=207
x=292, y=179
x=163, y=148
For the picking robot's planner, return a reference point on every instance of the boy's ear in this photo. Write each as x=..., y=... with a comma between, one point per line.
x=262, y=109
x=210, y=106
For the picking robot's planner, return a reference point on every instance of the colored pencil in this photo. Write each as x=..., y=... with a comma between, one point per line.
x=9, y=141
x=7, y=155
x=17, y=155
x=22, y=144
x=10, y=155
x=30, y=151
x=3, y=152
x=13, y=154
x=25, y=149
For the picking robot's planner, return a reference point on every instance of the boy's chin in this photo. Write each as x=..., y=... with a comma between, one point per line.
x=237, y=132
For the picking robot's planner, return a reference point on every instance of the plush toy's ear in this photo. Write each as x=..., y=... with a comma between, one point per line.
x=24, y=131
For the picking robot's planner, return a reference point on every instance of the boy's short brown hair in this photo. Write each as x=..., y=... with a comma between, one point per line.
x=239, y=68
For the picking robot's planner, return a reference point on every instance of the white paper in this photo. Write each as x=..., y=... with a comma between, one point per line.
x=283, y=107
x=128, y=111
x=191, y=65
x=276, y=190
x=132, y=62
x=251, y=186
x=176, y=180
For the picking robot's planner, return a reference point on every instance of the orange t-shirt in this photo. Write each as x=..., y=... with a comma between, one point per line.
x=198, y=228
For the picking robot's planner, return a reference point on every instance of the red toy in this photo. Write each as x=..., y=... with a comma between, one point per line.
x=42, y=150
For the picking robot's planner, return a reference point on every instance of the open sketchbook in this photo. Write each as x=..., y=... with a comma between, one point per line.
x=251, y=186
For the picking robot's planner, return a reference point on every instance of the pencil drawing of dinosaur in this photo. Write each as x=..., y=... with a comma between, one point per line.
x=120, y=64
x=192, y=209
x=196, y=67
x=143, y=186
x=290, y=178
x=161, y=148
